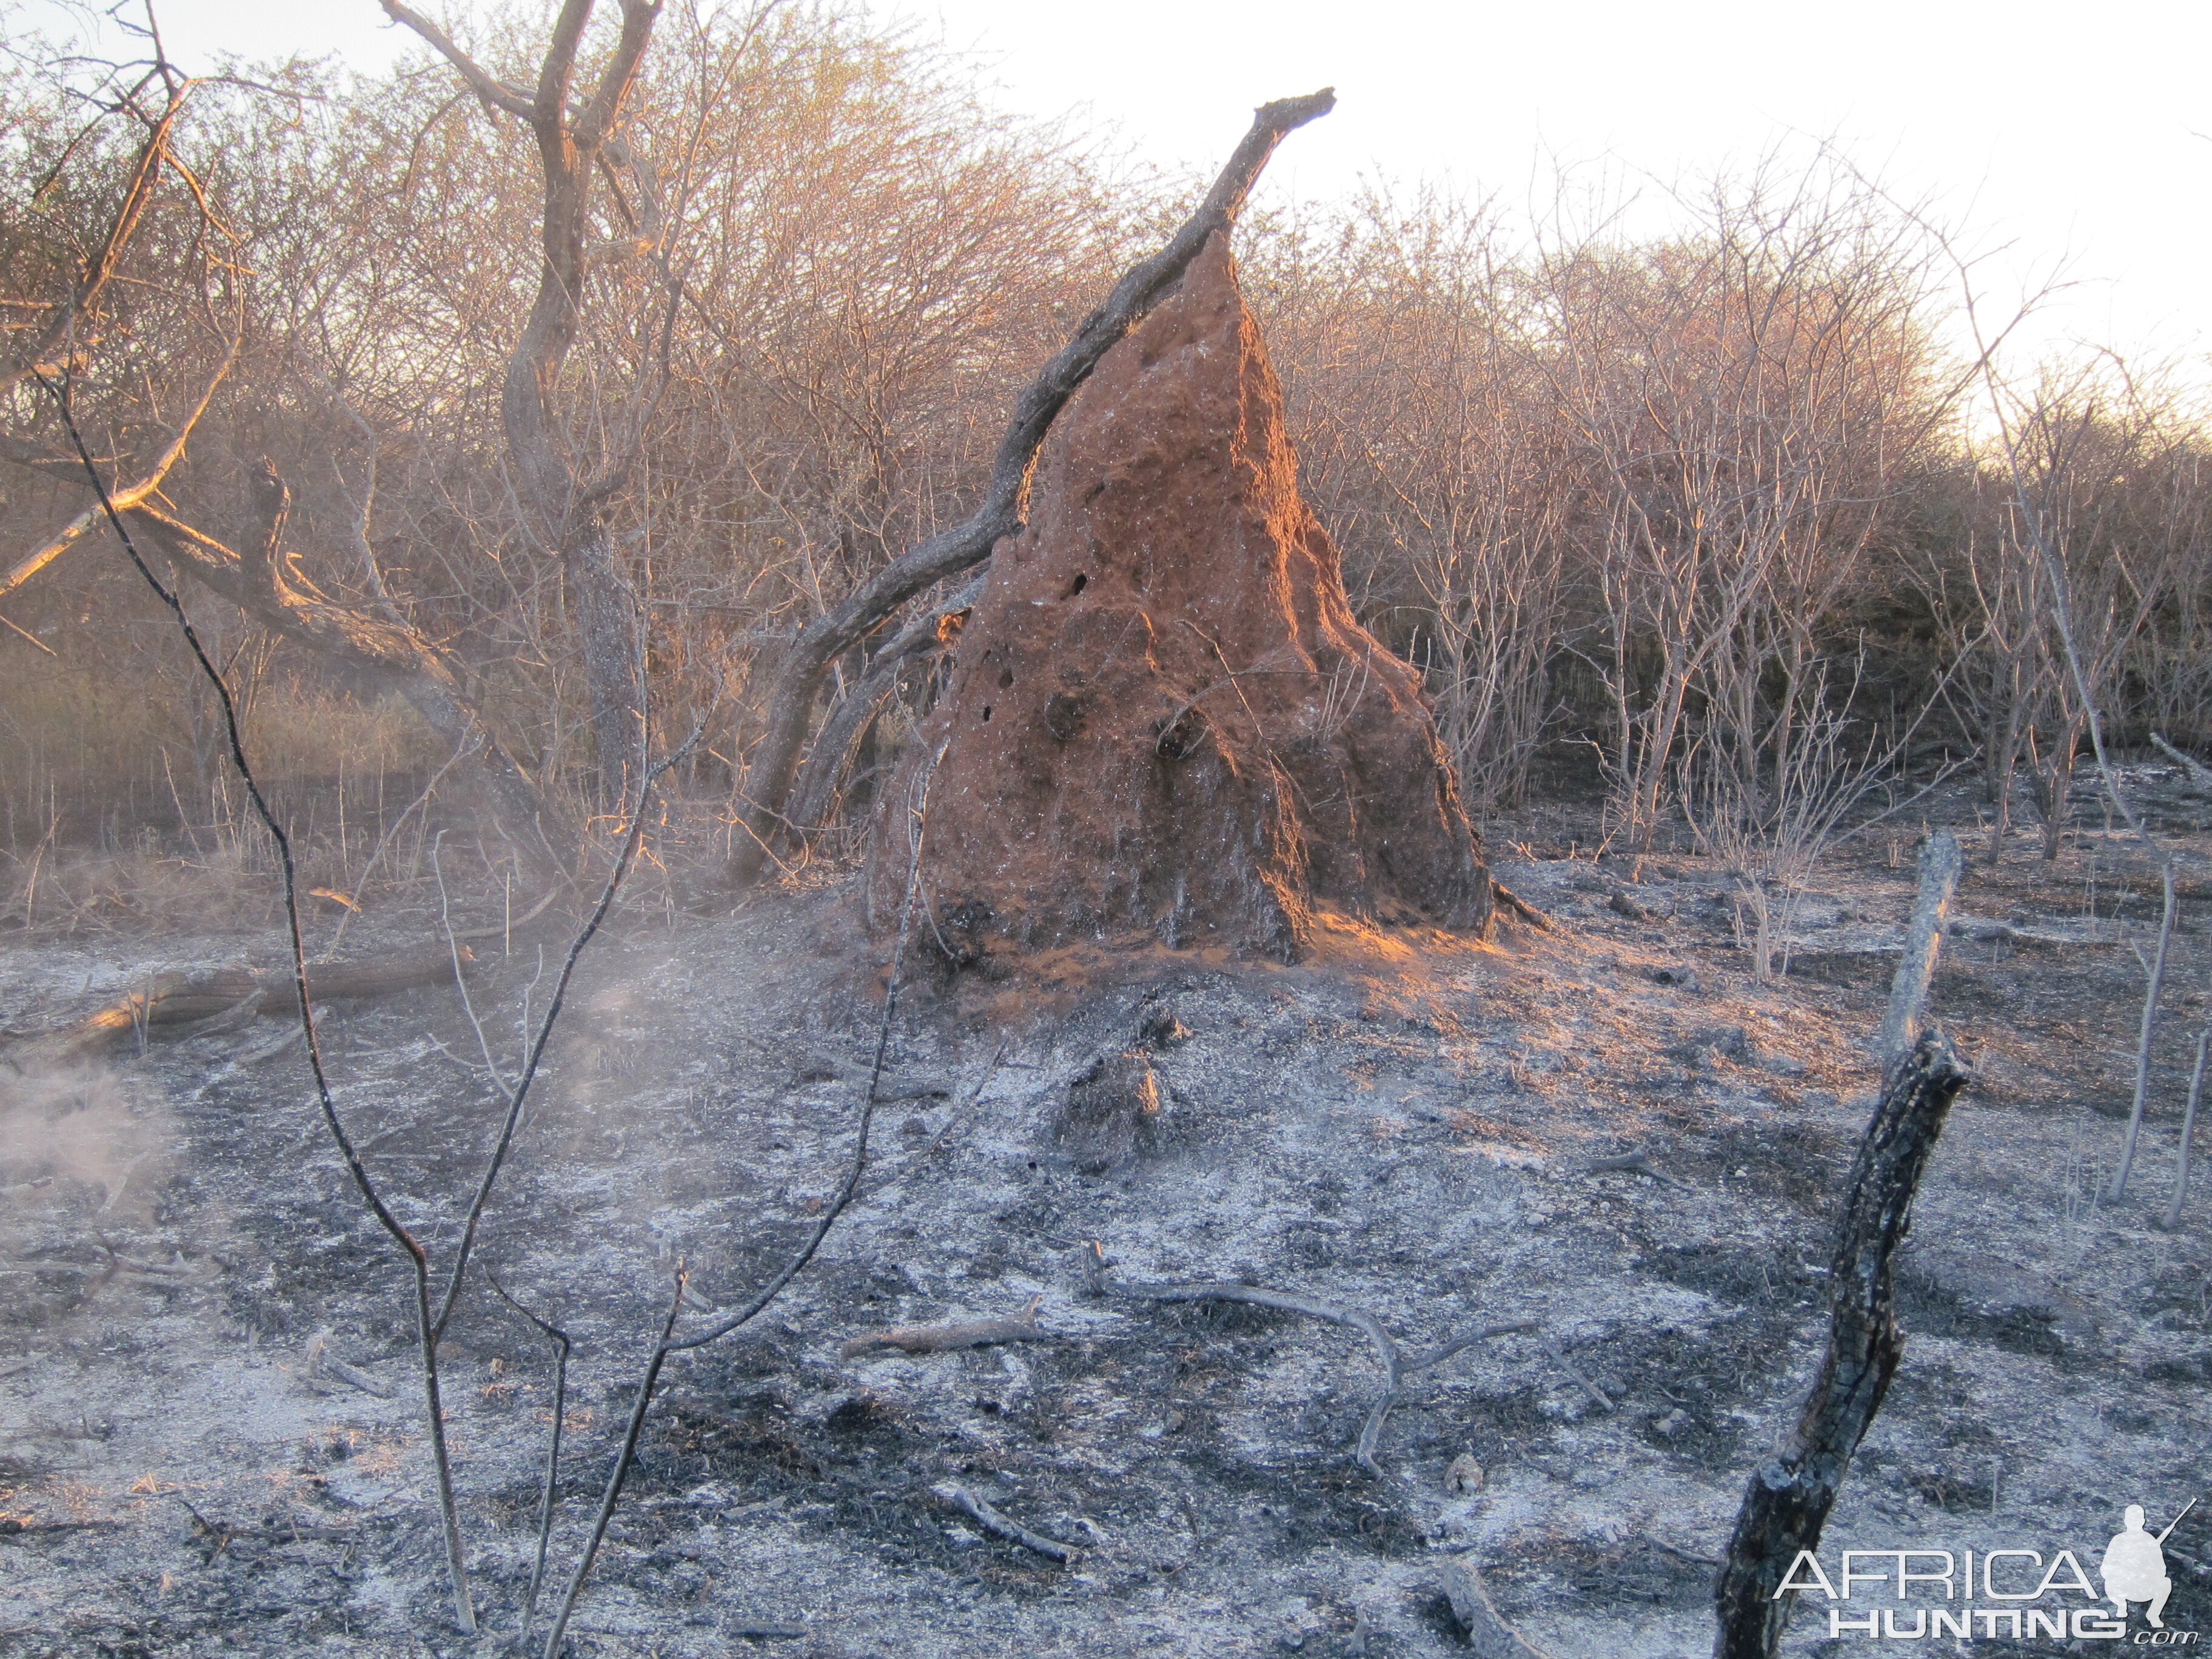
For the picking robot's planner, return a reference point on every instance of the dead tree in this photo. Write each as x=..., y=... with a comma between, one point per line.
x=567, y=509
x=373, y=653
x=775, y=761
x=1787, y=1500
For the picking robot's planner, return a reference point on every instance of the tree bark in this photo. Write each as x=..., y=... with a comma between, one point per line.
x=610, y=627
x=1786, y=1502
x=815, y=801
x=775, y=761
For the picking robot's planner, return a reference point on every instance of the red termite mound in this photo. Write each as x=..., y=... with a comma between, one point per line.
x=1163, y=716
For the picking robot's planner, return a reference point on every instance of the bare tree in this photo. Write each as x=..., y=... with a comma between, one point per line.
x=567, y=494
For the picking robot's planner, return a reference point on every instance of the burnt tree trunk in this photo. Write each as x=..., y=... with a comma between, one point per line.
x=1787, y=1500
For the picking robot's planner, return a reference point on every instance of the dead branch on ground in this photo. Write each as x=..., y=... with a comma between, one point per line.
x=173, y=1001
x=1636, y=1164
x=952, y=1333
x=1487, y=1632
x=1519, y=908
x=1091, y=1263
x=992, y=1520
x=1602, y=1401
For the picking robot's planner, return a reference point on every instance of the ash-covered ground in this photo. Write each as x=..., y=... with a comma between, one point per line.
x=1405, y=1125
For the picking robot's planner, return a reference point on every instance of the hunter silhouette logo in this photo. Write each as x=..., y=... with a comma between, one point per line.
x=2134, y=1568
x=2018, y=1594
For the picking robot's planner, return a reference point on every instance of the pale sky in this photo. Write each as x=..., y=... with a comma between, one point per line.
x=2058, y=137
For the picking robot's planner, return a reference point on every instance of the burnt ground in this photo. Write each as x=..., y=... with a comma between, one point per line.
x=1405, y=1124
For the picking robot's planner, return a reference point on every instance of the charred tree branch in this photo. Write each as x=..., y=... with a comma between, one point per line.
x=1092, y=1262
x=1787, y=1500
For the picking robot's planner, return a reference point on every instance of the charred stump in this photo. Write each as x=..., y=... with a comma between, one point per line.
x=1787, y=1500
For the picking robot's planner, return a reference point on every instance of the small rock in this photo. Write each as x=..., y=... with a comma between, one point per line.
x=1464, y=1474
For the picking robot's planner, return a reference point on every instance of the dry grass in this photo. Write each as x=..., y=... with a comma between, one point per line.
x=120, y=810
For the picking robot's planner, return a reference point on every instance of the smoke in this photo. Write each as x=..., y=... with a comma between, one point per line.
x=74, y=1147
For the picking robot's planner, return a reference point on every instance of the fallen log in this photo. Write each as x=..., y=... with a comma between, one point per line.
x=953, y=1334
x=180, y=1003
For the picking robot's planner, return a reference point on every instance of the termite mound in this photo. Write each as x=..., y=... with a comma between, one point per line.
x=1164, y=719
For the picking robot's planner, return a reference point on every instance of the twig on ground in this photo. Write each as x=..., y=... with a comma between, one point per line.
x=1636, y=1164
x=1519, y=908
x=353, y=1373
x=1051, y=1548
x=1091, y=1261
x=952, y=1334
x=1464, y=1341
x=1574, y=1372
x=1680, y=1554
x=1487, y=1632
